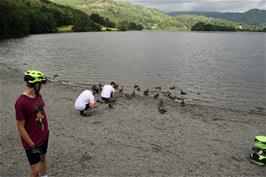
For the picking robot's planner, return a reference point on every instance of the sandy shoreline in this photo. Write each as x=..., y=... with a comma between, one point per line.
x=133, y=139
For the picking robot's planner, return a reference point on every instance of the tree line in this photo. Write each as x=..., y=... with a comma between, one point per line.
x=22, y=17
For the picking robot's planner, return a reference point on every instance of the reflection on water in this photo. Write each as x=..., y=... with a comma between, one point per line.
x=222, y=69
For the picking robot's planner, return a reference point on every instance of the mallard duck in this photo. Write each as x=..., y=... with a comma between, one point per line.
x=121, y=89
x=110, y=105
x=136, y=86
x=100, y=87
x=146, y=92
x=128, y=96
x=133, y=94
x=158, y=88
x=182, y=93
x=172, y=97
x=182, y=104
x=161, y=107
x=156, y=96
x=167, y=94
x=172, y=88
x=160, y=103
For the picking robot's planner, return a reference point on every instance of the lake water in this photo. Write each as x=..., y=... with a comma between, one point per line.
x=220, y=69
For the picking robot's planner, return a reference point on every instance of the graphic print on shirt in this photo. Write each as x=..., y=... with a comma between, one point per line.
x=39, y=116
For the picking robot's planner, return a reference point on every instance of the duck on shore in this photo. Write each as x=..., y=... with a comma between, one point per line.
x=146, y=92
x=161, y=107
x=156, y=96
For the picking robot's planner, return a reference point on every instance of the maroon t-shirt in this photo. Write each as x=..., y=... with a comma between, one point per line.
x=36, y=124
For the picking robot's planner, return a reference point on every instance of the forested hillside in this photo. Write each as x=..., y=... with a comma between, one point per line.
x=252, y=17
x=118, y=10
x=21, y=17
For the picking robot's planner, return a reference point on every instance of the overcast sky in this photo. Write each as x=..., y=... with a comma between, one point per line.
x=202, y=5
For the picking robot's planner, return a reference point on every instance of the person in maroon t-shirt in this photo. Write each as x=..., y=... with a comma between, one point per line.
x=32, y=123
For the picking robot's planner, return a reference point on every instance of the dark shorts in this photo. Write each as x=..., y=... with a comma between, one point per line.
x=82, y=112
x=35, y=158
x=106, y=100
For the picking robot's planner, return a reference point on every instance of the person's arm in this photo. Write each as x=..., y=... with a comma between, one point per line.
x=94, y=104
x=23, y=133
x=113, y=92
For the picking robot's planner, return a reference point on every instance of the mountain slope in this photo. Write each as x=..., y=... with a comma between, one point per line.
x=121, y=10
x=253, y=16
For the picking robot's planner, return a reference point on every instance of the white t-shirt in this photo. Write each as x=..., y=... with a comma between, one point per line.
x=107, y=90
x=84, y=98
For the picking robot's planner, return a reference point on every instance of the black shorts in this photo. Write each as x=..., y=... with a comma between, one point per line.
x=106, y=100
x=82, y=112
x=35, y=158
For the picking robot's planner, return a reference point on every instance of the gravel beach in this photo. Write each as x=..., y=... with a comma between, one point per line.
x=133, y=138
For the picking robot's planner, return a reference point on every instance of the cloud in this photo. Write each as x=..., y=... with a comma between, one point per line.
x=202, y=5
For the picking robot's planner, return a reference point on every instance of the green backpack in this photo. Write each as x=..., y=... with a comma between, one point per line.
x=258, y=154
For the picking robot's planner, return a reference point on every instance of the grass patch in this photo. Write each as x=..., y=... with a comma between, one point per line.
x=63, y=29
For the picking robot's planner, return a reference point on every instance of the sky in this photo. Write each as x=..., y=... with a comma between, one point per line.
x=203, y=5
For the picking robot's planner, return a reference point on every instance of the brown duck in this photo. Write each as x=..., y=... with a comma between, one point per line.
x=100, y=87
x=182, y=92
x=158, y=88
x=182, y=104
x=128, y=96
x=110, y=105
x=172, y=88
x=146, y=92
x=161, y=107
x=133, y=94
x=156, y=96
x=121, y=89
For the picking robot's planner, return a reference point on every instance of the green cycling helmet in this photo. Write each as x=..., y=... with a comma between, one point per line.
x=34, y=76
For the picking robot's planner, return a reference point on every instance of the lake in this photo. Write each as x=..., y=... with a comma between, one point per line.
x=224, y=69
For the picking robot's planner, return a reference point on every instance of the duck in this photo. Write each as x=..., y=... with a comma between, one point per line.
x=128, y=96
x=182, y=92
x=161, y=108
x=172, y=97
x=172, y=88
x=110, y=105
x=182, y=104
x=100, y=87
x=146, y=92
x=158, y=88
x=133, y=94
x=136, y=86
x=167, y=94
x=156, y=96
x=121, y=89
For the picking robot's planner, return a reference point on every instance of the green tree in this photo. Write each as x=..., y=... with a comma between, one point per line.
x=83, y=23
x=13, y=19
x=122, y=26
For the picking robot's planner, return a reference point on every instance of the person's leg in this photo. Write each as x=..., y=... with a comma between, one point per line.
x=36, y=169
x=43, y=162
x=43, y=165
x=34, y=160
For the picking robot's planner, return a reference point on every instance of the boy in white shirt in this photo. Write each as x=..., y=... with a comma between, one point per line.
x=108, y=92
x=86, y=101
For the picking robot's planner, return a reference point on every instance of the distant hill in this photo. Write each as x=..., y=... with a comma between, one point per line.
x=117, y=11
x=253, y=16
